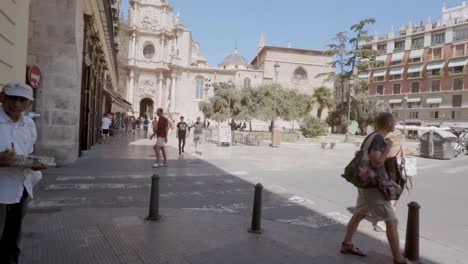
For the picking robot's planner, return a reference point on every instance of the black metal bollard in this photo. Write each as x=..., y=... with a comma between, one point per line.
x=257, y=211
x=412, y=232
x=154, y=199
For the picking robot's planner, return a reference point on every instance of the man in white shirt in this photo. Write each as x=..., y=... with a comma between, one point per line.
x=106, y=122
x=17, y=136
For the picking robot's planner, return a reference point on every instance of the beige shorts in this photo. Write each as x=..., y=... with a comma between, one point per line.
x=372, y=203
x=160, y=142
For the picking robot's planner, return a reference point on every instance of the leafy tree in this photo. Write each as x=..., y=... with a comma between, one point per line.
x=294, y=105
x=206, y=108
x=313, y=127
x=291, y=105
x=224, y=105
x=363, y=110
x=324, y=97
x=347, y=53
x=264, y=99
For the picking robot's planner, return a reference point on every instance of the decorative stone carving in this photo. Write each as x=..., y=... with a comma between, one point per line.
x=149, y=22
x=147, y=86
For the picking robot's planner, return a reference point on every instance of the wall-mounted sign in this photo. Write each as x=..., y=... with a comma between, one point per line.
x=34, y=76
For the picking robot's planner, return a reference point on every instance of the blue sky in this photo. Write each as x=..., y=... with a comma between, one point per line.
x=218, y=24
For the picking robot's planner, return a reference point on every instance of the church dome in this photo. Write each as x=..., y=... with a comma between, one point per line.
x=235, y=60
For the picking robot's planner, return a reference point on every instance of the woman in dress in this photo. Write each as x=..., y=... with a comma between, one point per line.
x=371, y=201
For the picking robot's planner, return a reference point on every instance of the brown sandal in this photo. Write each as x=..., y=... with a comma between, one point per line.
x=350, y=249
x=404, y=262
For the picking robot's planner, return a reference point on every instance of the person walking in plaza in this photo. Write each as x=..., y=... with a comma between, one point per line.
x=181, y=134
x=394, y=168
x=133, y=122
x=372, y=201
x=146, y=123
x=161, y=139
x=197, y=134
x=126, y=124
x=154, y=124
x=17, y=136
x=105, y=127
x=138, y=126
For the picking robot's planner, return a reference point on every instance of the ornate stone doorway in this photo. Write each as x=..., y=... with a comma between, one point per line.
x=147, y=108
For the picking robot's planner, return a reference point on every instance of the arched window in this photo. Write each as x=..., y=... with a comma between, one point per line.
x=300, y=75
x=247, y=83
x=148, y=51
x=200, y=81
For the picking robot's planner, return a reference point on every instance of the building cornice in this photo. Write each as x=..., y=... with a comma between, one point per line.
x=290, y=50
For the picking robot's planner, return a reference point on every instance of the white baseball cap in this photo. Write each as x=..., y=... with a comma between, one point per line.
x=19, y=89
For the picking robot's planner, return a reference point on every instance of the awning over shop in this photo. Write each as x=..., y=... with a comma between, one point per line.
x=413, y=100
x=434, y=100
x=380, y=73
x=363, y=75
x=396, y=70
x=458, y=62
x=415, y=68
x=435, y=65
x=394, y=101
x=381, y=58
x=416, y=53
x=398, y=56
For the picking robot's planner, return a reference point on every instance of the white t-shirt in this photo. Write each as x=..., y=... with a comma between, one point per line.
x=22, y=134
x=106, y=123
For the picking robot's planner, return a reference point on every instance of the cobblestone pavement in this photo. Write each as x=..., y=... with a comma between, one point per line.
x=93, y=211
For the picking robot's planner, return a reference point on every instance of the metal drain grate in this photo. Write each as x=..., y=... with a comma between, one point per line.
x=49, y=210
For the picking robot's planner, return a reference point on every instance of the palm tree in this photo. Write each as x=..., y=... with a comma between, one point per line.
x=324, y=98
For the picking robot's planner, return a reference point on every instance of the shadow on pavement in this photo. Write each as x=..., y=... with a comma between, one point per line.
x=92, y=211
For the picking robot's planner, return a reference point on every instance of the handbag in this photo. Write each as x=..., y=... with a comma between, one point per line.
x=389, y=189
x=359, y=172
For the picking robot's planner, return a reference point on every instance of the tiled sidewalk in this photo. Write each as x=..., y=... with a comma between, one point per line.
x=94, y=211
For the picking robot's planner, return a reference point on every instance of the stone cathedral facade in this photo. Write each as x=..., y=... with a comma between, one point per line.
x=162, y=66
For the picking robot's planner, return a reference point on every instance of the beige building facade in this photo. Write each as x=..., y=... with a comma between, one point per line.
x=13, y=40
x=73, y=44
x=165, y=66
x=422, y=70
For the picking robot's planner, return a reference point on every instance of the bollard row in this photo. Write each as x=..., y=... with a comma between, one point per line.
x=412, y=230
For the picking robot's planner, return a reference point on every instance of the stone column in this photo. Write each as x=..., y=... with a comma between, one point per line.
x=173, y=88
x=58, y=101
x=132, y=48
x=131, y=89
x=160, y=91
x=163, y=40
x=166, y=93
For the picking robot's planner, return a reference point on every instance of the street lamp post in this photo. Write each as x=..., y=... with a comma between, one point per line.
x=275, y=143
x=277, y=66
x=405, y=99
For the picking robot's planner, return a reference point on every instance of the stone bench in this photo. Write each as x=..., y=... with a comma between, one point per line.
x=324, y=144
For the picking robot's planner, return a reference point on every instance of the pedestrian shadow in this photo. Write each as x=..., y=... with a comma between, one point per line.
x=122, y=180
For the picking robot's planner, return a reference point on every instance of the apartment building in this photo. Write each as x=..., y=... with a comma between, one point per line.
x=422, y=70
